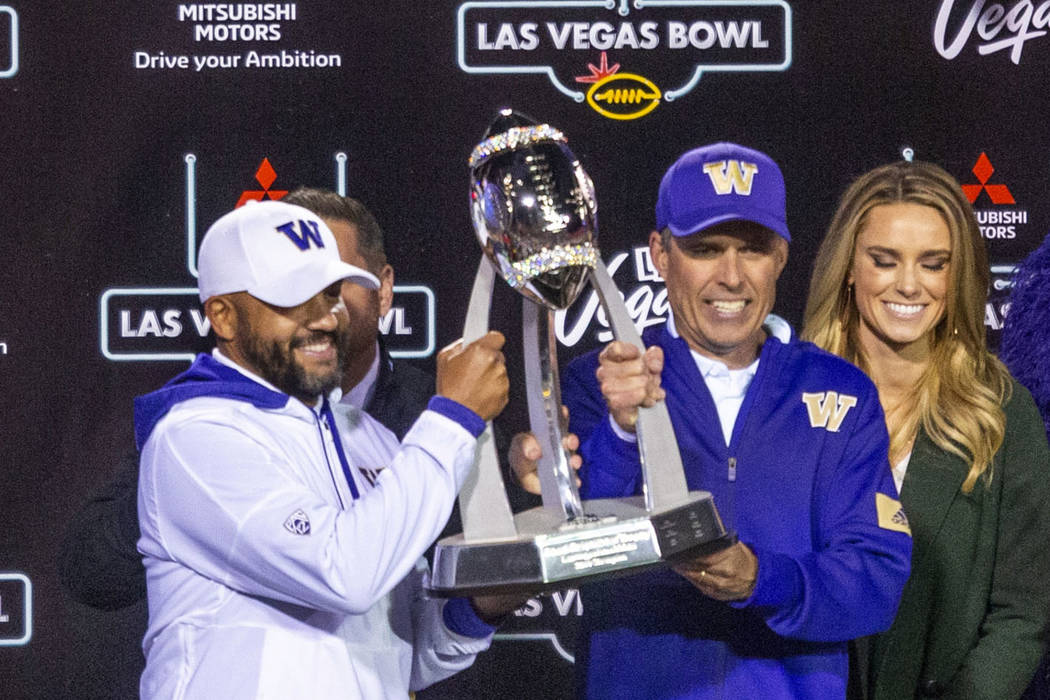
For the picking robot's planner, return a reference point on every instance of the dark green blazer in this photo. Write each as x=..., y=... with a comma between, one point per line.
x=973, y=613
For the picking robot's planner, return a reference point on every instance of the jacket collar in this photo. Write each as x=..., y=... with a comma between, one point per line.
x=932, y=482
x=213, y=376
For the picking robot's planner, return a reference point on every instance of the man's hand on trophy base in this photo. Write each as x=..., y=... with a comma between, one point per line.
x=629, y=379
x=728, y=574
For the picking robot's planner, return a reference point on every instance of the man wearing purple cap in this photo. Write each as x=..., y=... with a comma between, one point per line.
x=275, y=567
x=790, y=441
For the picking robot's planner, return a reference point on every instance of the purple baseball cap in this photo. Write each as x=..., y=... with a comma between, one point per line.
x=721, y=182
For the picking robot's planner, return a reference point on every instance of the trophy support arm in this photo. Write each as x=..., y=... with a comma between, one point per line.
x=664, y=478
x=483, y=505
x=557, y=480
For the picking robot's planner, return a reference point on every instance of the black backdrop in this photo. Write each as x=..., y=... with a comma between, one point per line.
x=115, y=158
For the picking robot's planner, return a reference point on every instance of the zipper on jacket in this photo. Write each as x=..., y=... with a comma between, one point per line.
x=322, y=428
x=730, y=515
x=333, y=435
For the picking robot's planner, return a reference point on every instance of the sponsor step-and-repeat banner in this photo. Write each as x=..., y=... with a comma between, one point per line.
x=129, y=127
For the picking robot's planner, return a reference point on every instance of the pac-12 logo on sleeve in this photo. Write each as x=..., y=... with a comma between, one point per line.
x=298, y=523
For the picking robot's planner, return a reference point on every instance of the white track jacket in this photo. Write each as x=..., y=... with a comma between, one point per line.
x=270, y=575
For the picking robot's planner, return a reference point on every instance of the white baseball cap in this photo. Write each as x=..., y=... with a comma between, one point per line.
x=279, y=253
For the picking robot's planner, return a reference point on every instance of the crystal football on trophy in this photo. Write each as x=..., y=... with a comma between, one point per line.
x=535, y=215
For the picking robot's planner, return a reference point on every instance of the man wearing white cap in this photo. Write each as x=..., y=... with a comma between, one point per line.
x=274, y=568
x=99, y=562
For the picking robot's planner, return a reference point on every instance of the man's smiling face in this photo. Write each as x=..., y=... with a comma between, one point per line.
x=721, y=285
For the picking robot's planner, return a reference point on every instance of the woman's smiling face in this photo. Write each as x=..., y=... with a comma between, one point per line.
x=900, y=275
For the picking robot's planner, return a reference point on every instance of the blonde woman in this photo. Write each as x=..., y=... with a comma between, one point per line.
x=899, y=289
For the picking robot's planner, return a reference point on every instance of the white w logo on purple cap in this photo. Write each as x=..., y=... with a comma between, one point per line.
x=308, y=231
x=731, y=176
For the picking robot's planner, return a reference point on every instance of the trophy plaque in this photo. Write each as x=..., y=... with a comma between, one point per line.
x=535, y=215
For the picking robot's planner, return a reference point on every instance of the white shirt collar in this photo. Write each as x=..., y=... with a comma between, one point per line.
x=778, y=328
x=734, y=381
x=775, y=327
x=728, y=387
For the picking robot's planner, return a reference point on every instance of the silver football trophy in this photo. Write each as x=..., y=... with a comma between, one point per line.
x=535, y=216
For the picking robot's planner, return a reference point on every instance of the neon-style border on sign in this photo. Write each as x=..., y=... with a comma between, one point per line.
x=1001, y=284
x=103, y=322
x=428, y=349
x=700, y=69
x=340, y=173
x=669, y=95
x=191, y=213
x=461, y=44
x=10, y=72
x=27, y=609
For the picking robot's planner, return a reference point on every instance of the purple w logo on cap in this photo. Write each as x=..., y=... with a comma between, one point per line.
x=308, y=231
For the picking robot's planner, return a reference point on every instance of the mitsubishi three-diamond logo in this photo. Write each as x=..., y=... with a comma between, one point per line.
x=991, y=199
x=265, y=176
x=999, y=194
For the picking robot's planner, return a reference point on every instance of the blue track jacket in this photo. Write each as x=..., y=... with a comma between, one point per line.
x=805, y=482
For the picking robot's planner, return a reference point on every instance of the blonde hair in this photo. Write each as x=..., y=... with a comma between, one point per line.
x=959, y=398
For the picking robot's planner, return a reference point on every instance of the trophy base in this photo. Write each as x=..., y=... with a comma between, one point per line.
x=618, y=537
